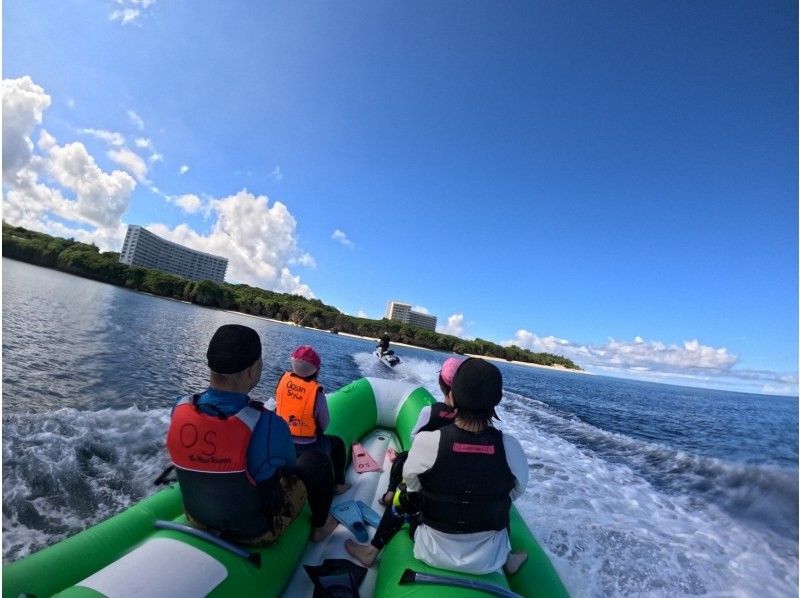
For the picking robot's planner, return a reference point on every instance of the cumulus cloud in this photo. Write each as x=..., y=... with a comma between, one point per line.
x=77, y=189
x=455, y=326
x=24, y=102
x=305, y=259
x=420, y=309
x=110, y=137
x=362, y=314
x=275, y=174
x=61, y=190
x=690, y=362
x=638, y=353
x=189, y=203
x=341, y=236
x=183, y=169
x=259, y=241
x=131, y=162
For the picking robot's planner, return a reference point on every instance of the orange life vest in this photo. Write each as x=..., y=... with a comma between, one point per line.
x=207, y=443
x=210, y=457
x=295, y=399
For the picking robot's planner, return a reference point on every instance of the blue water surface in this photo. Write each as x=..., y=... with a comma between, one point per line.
x=636, y=488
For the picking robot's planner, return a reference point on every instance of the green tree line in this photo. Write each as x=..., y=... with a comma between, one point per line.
x=88, y=261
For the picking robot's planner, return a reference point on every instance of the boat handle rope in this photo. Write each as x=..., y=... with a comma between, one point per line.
x=253, y=557
x=163, y=477
x=411, y=576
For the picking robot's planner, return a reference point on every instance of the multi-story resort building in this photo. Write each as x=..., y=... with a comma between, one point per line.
x=402, y=312
x=143, y=248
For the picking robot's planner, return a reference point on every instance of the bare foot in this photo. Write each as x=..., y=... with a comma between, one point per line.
x=387, y=498
x=514, y=561
x=318, y=534
x=364, y=553
x=342, y=488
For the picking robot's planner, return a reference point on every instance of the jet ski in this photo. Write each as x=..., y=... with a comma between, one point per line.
x=389, y=359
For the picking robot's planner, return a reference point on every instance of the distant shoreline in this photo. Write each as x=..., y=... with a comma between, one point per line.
x=557, y=368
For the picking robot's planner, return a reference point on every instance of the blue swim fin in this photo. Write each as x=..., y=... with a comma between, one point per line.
x=349, y=515
x=367, y=514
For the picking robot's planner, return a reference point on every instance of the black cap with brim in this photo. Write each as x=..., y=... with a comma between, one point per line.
x=477, y=385
x=233, y=348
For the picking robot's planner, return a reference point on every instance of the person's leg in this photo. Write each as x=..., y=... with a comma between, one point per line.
x=395, y=477
x=389, y=525
x=314, y=468
x=514, y=561
x=339, y=460
x=294, y=499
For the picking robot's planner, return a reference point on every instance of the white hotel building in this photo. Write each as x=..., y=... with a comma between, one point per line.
x=402, y=312
x=143, y=248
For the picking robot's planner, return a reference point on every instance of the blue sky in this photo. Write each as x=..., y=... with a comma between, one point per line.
x=611, y=181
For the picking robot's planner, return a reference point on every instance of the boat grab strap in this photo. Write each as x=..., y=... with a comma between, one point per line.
x=253, y=557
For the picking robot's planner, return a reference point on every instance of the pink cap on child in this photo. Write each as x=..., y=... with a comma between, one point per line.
x=305, y=361
x=449, y=368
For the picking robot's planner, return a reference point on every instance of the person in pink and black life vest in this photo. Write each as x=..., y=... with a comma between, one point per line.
x=236, y=464
x=432, y=417
x=300, y=401
x=460, y=482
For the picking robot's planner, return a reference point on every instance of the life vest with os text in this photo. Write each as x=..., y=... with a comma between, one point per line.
x=295, y=399
x=468, y=488
x=210, y=456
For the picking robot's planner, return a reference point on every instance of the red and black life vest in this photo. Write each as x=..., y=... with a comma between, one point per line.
x=468, y=488
x=210, y=456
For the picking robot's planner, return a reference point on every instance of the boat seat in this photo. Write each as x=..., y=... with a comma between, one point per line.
x=159, y=567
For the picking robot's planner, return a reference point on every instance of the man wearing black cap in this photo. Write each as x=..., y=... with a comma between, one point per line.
x=236, y=460
x=461, y=480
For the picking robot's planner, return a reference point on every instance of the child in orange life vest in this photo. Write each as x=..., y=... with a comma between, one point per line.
x=300, y=401
x=430, y=418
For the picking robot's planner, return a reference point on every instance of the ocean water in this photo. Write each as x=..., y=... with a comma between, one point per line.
x=636, y=488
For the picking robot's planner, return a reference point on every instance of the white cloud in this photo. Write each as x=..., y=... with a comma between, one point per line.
x=420, y=309
x=362, y=314
x=78, y=190
x=341, y=236
x=145, y=143
x=129, y=10
x=183, y=169
x=110, y=137
x=24, y=103
x=259, y=241
x=455, y=326
x=275, y=174
x=136, y=119
x=691, y=362
x=305, y=259
x=100, y=198
x=131, y=162
x=189, y=203
x=640, y=354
